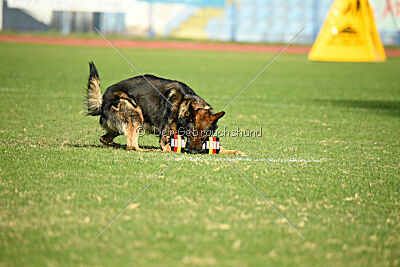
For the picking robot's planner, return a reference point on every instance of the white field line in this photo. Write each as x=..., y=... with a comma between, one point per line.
x=12, y=89
x=272, y=160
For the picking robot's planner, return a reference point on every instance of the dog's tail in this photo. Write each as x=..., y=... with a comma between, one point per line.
x=94, y=97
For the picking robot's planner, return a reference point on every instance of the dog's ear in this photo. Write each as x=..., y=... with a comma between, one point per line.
x=215, y=117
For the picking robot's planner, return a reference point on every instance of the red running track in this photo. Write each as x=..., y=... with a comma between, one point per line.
x=165, y=45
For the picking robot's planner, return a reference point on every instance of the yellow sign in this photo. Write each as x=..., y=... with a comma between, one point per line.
x=349, y=34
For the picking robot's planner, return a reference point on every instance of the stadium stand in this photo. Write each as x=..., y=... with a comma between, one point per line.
x=268, y=21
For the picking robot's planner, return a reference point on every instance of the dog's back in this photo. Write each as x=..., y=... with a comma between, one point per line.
x=159, y=99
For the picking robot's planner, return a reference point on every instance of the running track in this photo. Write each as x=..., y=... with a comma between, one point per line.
x=165, y=45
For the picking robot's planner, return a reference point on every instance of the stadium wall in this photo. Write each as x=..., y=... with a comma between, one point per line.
x=269, y=21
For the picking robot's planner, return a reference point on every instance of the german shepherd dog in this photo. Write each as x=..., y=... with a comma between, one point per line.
x=160, y=106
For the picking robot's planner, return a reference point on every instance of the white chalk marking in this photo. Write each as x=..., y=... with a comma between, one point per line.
x=272, y=160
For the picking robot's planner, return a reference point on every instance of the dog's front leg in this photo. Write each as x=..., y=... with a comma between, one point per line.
x=164, y=143
x=167, y=148
x=231, y=152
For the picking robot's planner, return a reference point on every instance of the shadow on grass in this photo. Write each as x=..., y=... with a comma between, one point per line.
x=85, y=145
x=123, y=147
x=389, y=107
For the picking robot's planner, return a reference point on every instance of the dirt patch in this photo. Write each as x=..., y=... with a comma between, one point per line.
x=165, y=45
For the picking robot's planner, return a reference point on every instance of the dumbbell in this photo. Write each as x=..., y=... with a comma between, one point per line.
x=210, y=146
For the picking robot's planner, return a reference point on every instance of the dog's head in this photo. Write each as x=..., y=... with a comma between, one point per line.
x=201, y=123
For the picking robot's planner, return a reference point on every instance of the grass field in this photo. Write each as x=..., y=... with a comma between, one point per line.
x=328, y=159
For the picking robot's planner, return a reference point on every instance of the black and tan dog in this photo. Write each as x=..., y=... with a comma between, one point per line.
x=160, y=106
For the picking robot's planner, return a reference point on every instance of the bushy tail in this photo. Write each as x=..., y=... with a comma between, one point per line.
x=94, y=97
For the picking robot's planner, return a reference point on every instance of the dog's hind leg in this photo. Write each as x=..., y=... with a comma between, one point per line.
x=132, y=133
x=130, y=121
x=108, y=139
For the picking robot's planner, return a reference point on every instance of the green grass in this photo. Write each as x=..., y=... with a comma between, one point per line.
x=328, y=160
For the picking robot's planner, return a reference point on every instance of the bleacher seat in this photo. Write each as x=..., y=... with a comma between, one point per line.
x=269, y=20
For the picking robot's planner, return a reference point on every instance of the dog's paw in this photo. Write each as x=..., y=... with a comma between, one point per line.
x=237, y=152
x=138, y=149
x=167, y=148
x=241, y=153
x=231, y=152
